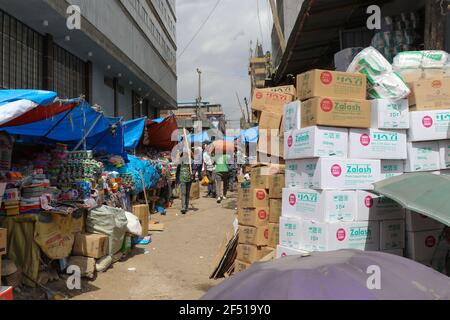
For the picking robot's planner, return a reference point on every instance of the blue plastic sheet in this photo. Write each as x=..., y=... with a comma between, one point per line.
x=250, y=135
x=39, y=97
x=133, y=131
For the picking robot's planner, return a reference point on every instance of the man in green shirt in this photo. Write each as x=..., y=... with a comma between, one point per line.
x=185, y=180
x=222, y=176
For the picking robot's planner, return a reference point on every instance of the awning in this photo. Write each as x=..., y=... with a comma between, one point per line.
x=161, y=135
x=133, y=131
x=425, y=193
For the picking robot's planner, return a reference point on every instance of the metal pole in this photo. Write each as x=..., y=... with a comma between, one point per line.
x=83, y=141
x=199, y=99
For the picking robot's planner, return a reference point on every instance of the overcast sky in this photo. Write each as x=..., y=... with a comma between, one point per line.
x=221, y=49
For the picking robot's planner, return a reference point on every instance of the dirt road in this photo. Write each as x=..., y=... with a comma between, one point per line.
x=177, y=264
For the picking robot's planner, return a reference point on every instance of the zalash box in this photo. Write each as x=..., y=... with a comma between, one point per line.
x=429, y=125
x=342, y=235
x=320, y=206
x=390, y=114
x=334, y=173
x=377, y=144
x=315, y=142
x=423, y=156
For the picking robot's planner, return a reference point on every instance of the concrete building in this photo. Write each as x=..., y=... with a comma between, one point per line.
x=123, y=56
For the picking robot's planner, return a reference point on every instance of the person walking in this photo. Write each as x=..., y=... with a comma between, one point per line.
x=185, y=179
x=208, y=169
x=222, y=177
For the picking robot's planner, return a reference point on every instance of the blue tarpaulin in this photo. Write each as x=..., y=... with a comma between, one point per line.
x=39, y=97
x=133, y=131
x=249, y=135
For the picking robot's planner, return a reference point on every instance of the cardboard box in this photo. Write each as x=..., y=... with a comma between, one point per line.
x=270, y=121
x=429, y=125
x=275, y=210
x=390, y=114
x=333, y=112
x=290, y=232
x=3, y=241
x=420, y=246
x=276, y=185
x=373, y=207
x=274, y=235
x=397, y=252
x=411, y=75
x=433, y=74
x=258, y=217
x=333, y=173
x=320, y=206
x=324, y=83
x=259, y=178
x=282, y=89
x=264, y=100
x=377, y=144
x=271, y=143
x=423, y=156
x=250, y=253
x=240, y=266
x=418, y=222
x=315, y=142
x=292, y=116
x=342, y=235
x=253, y=198
x=142, y=212
x=91, y=245
x=431, y=94
x=255, y=236
x=392, y=234
x=444, y=153
x=392, y=168
x=283, y=251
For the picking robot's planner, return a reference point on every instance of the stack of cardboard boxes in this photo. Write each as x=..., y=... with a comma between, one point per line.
x=3, y=234
x=332, y=159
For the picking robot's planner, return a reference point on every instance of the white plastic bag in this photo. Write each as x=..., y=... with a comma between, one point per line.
x=428, y=59
x=134, y=225
x=370, y=60
x=388, y=86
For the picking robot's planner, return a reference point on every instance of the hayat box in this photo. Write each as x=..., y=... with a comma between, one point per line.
x=322, y=236
x=392, y=234
x=392, y=168
x=292, y=116
x=372, y=207
x=291, y=232
x=282, y=89
x=253, y=198
x=270, y=121
x=320, y=206
x=91, y=245
x=275, y=210
x=418, y=222
x=333, y=112
x=266, y=100
x=423, y=156
x=315, y=142
x=276, y=185
x=283, y=251
x=274, y=234
x=377, y=144
x=334, y=173
x=420, y=246
x=250, y=253
x=431, y=94
x=260, y=178
x=318, y=83
x=444, y=152
x=251, y=235
x=240, y=266
x=390, y=114
x=429, y=125
x=3, y=242
x=254, y=217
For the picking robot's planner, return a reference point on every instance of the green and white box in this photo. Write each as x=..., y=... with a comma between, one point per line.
x=444, y=151
x=377, y=144
x=392, y=168
x=392, y=234
x=423, y=156
x=335, y=174
x=319, y=205
x=321, y=236
x=291, y=234
x=292, y=116
x=429, y=125
x=373, y=207
x=315, y=142
x=283, y=251
x=299, y=173
x=390, y=114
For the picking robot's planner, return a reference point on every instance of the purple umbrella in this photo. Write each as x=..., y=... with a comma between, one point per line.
x=336, y=275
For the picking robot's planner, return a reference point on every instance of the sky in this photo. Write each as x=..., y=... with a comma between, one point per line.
x=221, y=49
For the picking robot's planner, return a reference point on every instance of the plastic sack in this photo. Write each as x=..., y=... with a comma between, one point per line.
x=428, y=59
x=388, y=86
x=371, y=61
x=134, y=226
x=205, y=181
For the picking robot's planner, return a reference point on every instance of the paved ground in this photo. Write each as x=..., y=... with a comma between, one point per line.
x=178, y=262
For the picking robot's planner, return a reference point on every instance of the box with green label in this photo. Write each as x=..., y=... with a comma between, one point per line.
x=319, y=205
x=373, y=207
x=315, y=142
x=377, y=144
x=423, y=156
x=390, y=114
x=336, y=112
x=392, y=234
x=318, y=83
x=429, y=125
x=392, y=168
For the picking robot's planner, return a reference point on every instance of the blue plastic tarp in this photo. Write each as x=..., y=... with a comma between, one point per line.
x=133, y=131
x=39, y=97
x=249, y=135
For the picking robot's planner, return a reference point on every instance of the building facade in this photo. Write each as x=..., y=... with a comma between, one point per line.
x=121, y=55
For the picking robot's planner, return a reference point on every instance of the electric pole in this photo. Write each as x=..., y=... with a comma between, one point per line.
x=199, y=99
